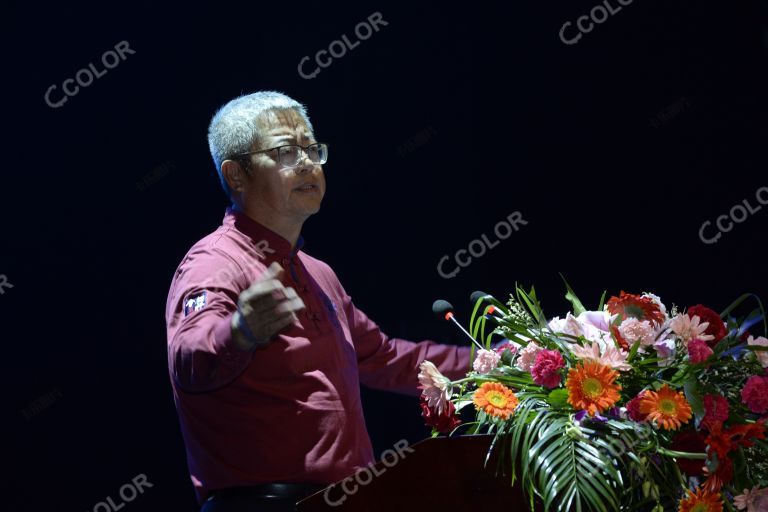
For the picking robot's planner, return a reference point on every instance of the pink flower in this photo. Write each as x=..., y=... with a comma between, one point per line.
x=633, y=329
x=716, y=410
x=755, y=500
x=436, y=387
x=508, y=345
x=755, y=394
x=762, y=355
x=689, y=328
x=611, y=356
x=528, y=356
x=546, y=369
x=699, y=351
x=485, y=361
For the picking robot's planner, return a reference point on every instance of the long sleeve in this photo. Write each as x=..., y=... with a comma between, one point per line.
x=202, y=355
x=393, y=364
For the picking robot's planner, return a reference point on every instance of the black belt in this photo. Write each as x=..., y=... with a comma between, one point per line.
x=272, y=491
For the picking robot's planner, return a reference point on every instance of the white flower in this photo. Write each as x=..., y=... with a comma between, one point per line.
x=665, y=349
x=592, y=325
x=762, y=355
x=570, y=325
x=435, y=386
x=689, y=328
x=485, y=361
x=600, y=320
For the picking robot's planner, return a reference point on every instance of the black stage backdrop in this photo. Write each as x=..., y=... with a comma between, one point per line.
x=616, y=142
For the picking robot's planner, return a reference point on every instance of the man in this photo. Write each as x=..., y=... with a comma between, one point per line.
x=265, y=348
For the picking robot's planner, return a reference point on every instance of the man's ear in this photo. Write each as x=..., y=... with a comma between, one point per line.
x=234, y=174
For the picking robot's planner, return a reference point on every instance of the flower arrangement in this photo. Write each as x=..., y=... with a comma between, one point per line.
x=629, y=407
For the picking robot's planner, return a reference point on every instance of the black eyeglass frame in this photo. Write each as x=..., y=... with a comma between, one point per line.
x=305, y=150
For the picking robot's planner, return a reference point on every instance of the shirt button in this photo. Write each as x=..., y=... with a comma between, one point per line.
x=284, y=261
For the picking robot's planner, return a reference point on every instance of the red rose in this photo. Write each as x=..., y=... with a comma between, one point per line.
x=691, y=442
x=441, y=422
x=716, y=326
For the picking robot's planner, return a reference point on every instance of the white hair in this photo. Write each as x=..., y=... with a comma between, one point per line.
x=233, y=128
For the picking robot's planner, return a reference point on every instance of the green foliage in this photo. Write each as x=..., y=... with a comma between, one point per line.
x=608, y=464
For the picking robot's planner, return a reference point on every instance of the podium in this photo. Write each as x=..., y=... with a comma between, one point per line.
x=440, y=474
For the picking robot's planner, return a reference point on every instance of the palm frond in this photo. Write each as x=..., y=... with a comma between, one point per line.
x=559, y=463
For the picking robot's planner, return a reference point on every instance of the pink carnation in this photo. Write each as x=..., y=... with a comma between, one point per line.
x=699, y=351
x=633, y=330
x=485, y=361
x=545, y=370
x=755, y=394
x=527, y=356
x=716, y=410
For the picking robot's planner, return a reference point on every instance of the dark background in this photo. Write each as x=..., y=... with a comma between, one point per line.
x=440, y=125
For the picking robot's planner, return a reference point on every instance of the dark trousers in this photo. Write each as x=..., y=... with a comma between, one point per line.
x=259, y=498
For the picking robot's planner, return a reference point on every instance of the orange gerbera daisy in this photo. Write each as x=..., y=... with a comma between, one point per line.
x=701, y=501
x=591, y=387
x=495, y=399
x=667, y=407
x=636, y=306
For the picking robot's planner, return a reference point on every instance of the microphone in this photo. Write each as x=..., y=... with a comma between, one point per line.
x=491, y=310
x=444, y=310
x=477, y=295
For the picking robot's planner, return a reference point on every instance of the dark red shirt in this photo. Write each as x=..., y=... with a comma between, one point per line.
x=291, y=411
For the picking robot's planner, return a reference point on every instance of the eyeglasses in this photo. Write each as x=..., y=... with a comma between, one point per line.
x=291, y=154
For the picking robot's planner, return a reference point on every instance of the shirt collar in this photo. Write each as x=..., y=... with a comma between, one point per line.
x=258, y=232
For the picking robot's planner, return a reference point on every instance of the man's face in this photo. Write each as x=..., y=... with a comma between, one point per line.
x=278, y=192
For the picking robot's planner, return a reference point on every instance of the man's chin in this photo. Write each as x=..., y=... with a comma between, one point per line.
x=310, y=210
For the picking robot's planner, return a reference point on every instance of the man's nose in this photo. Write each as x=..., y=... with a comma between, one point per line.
x=305, y=165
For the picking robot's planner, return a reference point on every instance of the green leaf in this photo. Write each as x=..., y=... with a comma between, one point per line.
x=578, y=307
x=693, y=395
x=532, y=303
x=741, y=299
x=567, y=472
x=602, y=301
x=633, y=351
x=558, y=398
